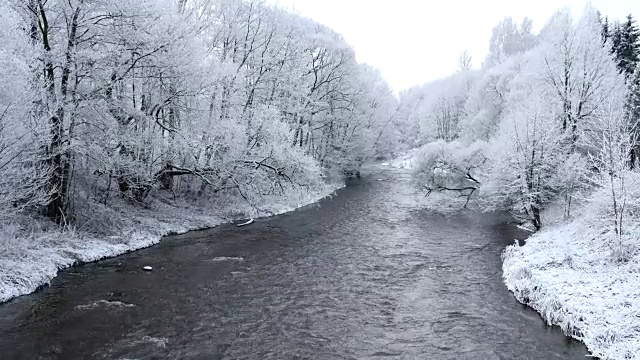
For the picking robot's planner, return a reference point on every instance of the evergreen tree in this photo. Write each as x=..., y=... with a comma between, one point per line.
x=633, y=116
x=626, y=46
x=615, y=34
x=606, y=32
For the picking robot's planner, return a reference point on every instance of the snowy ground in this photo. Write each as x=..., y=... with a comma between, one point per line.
x=30, y=256
x=576, y=279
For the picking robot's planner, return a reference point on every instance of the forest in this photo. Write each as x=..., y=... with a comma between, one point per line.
x=121, y=99
x=124, y=121
x=549, y=118
x=547, y=129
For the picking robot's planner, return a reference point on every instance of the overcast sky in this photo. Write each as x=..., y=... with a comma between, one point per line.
x=415, y=41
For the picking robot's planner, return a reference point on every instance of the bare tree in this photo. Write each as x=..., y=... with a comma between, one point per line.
x=464, y=61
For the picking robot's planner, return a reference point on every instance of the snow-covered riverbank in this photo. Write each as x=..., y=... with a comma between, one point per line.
x=576, y=274
x=31, y=256
x=571, y=275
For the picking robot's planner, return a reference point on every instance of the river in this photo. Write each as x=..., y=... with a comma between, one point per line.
x=366, y=274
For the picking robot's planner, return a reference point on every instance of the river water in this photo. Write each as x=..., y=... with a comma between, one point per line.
x=366, y=274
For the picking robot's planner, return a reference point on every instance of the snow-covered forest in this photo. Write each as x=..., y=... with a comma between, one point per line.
x=549, y=117
x=122, y=98
x=547, y=128
x=113, y=113
x=123, y=121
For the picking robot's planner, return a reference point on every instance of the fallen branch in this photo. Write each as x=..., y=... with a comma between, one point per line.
x=172, y=170
x=277, y=171
x=461, y=191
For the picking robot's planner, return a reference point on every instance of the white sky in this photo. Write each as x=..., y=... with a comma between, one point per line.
x=415, y=41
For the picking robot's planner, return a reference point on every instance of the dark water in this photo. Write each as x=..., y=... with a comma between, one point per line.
x=365, y=275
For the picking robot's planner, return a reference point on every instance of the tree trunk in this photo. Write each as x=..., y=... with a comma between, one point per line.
x=58, y=156
x=535, y=217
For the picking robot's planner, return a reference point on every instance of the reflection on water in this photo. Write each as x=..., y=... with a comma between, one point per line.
x=366, y=274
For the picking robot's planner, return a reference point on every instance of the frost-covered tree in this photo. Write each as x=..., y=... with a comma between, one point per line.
x=437, y=107
x=509, y=38
x=578, y=68
x=465, y=61
x=202, y=98
x=525, y=156
x=450, y=167
x=24, y=135
x=612, y=143
x=531, y=111
x=486, y=101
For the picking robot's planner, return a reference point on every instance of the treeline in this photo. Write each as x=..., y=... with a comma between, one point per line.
x=549, y=118
x=106, y=99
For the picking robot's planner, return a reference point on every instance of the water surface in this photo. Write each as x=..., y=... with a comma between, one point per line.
x=366, y=274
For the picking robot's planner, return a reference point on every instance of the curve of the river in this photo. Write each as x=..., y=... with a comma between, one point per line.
x=366, y=274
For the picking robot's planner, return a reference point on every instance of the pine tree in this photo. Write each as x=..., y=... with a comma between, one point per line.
x=626, y=46
x=606, y=32
x=633, y=115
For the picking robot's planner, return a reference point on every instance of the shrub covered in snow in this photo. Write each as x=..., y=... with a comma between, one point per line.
x=449, y=167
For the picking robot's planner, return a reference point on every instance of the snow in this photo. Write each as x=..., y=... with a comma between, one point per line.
x=159, y=342
x=105, y=303
x=572, y=275
x=31, y=256
x=227, y=258
x=248, y=222
x=406, y=160
x=525, y=228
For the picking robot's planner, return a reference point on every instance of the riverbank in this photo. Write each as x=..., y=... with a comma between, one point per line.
x=370, y=273
x=575, y=276
x=33, y=251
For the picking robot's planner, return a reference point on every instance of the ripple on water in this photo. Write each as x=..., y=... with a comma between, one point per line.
x=366, y=274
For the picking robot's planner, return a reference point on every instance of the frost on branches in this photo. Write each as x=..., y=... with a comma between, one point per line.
x=111, y=108
x=547, y=129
